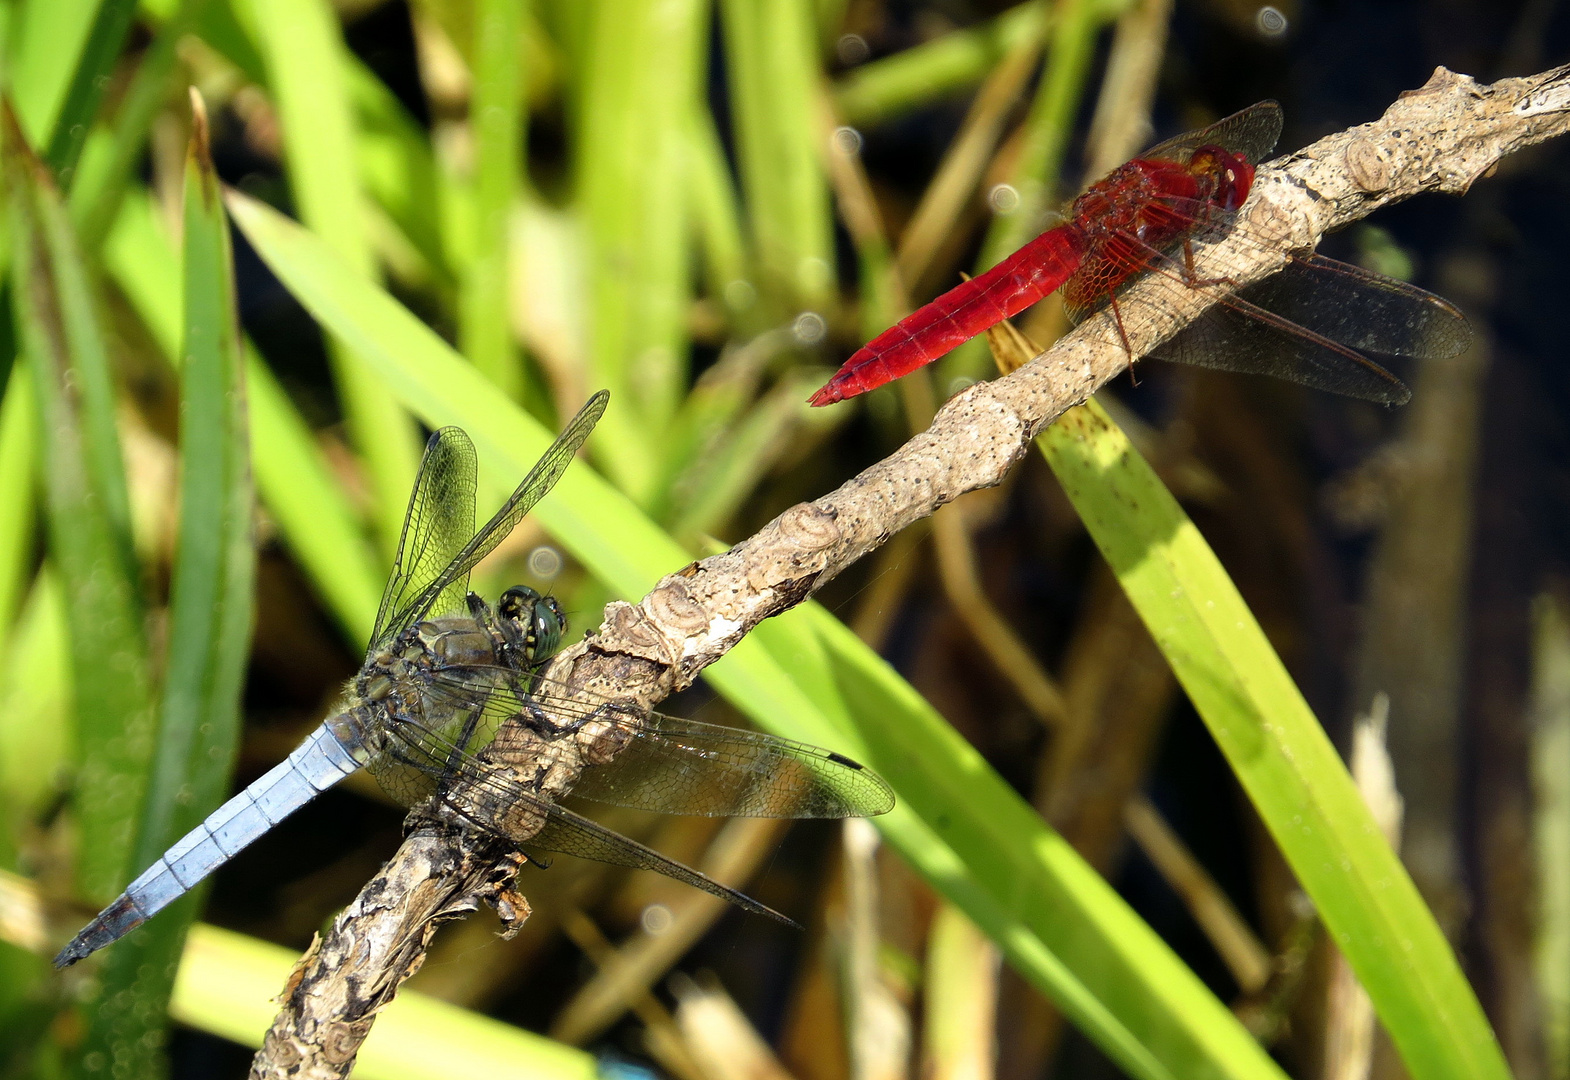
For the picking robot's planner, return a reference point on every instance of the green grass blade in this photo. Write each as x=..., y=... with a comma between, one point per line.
x=713, y=407
x=775, y=75
x=398, y=169
x=1276, y=747
x=725, y=473
x=312, y=513
x=964, y=828
x=210, y=607
x=583, y=511
x=89, y=80
x=18, y=477
x=36, y=727
x=217, y=26
x=642, y=82
x=1058, y=922
x=89, y=521
x=1550, y=756
x=305, y=57
x=210, y=600
x=47, y=41
x=104, y=176
x=887, y=88
x=35, y=753
x=303, y=51
x=1071, y=45
x=227, y=986
x=715, y=209
x=396, y=165
x=496, y=120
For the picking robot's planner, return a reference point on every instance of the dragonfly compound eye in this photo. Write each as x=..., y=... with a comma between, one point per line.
x=549, y=624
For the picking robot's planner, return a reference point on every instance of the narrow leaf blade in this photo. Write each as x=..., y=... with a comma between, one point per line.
x=1277, y=748
x=86, y=509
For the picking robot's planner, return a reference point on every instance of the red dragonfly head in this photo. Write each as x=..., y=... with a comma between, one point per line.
x=1230, y=175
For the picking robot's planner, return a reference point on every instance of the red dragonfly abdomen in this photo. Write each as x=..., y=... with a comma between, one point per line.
x=966, y=310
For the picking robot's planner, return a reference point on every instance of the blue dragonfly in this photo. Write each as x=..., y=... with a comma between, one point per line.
x=445, y=670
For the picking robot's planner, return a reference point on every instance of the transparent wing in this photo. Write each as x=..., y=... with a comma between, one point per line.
x=571, y=834
x=1251, y=133
x=418, y=601
x=1237, y=335
x=1309, y=323
x=1362, y=309
x=440, y=519
x=423, y=744
x=684, y=767
x=489, y=797
x=677, y=766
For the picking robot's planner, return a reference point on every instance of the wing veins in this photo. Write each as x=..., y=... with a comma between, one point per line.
x=677, y=766
x=439, y=518
x=540, y=479
x=560, y=829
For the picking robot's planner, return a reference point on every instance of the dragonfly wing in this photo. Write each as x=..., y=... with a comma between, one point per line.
x=1237, y=335
x=488, y=796
x=1363, y=310
x=549, y=469
x=454, y=577
x=571, y=834
x=427, y=737
x=680, y=766
x=1251, y=133
x=675, y=766
x=440, y=519
x=1311, y=323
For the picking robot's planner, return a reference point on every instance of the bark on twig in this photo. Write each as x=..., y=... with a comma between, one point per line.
x=1440, y=138
x=378, y=941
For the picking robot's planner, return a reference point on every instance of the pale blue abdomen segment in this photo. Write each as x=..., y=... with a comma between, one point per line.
x=316, y=765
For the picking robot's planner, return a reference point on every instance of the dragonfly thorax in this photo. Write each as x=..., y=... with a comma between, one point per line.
x=1132, y=201
x=391, y=684
x=453, y=642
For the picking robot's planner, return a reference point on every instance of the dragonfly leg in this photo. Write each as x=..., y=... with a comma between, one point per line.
x=481, y=613
x=611, y=713
x=606, y=712
x=1117, y=319
x=537, y=720
x=461, y=743
x=405, y=733
x=534, y=717
x=1192, y=279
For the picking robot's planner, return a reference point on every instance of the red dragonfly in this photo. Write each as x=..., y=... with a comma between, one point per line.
x=1309, y=323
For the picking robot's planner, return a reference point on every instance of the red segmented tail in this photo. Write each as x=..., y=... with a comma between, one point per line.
x=960, y=314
